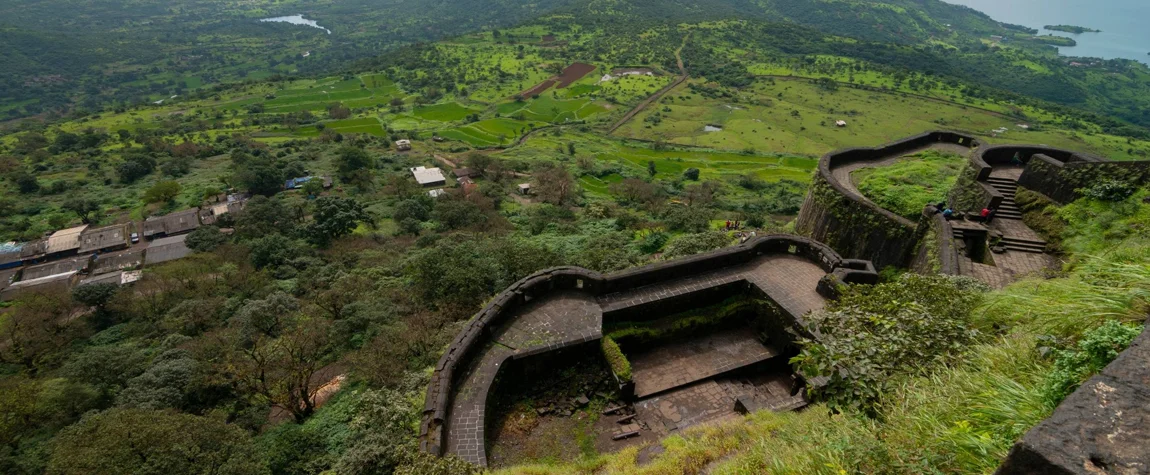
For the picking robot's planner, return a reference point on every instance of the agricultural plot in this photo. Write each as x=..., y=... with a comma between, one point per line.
x=490, y=132
x=797, y=117
x=633, y=160
x=548, y=108
x=446, y=112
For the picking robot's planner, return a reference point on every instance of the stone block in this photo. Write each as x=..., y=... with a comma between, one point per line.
x=1103, y=427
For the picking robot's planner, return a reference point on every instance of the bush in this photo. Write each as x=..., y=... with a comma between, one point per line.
x=616, y=359
x=1095, y=350
x=691, y=174
x=205, y=239
x=873, y=333
x=1109, y=190
x=690, y=244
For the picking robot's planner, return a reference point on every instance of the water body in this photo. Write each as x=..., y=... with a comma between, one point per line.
x=297, y=20
x=1124, y=33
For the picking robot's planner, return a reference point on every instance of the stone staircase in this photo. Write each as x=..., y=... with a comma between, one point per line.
x=1008, y=209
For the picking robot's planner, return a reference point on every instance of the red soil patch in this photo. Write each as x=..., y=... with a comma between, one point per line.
x=543, y=86
x=570, y=74
x=574, y=73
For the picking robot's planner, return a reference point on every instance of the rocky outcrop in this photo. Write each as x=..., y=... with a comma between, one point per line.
x=1103, y=427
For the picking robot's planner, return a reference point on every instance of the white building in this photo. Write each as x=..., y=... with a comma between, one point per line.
x=840, y=123
x=429, y=176
x=403, y=145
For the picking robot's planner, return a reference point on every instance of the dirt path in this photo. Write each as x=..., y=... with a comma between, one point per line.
x=654, y=97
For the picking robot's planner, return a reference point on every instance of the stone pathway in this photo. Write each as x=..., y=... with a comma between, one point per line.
x=684, y=362
x=568, y=318
x=1025, y=250
x=559, y=320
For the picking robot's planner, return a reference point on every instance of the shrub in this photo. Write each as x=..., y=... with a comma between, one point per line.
x=875, y=332
x=1109, y=190
x=616, y=359
x=690, y=244
x=205, y=239
x=1095, y=350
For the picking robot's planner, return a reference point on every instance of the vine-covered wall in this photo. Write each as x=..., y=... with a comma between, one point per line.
x=1062, y=181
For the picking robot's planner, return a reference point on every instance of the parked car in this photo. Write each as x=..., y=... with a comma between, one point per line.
x=135, y=238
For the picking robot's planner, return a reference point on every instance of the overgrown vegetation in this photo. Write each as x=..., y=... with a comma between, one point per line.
x=616, y=359
x=911, y=183
x=872, y=334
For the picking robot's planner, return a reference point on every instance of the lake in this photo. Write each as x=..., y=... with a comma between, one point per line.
x=1124, y=34
x=297, y=20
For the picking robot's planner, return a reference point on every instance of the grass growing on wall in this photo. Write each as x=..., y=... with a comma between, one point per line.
x=907, y=185
x=616, y=359
x=964, y=416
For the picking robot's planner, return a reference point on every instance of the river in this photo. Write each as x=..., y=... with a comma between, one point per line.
x=297, y=20
x=1124, y=33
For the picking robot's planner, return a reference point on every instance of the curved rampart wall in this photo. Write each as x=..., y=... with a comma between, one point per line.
x=473, y=337
x=853, y=225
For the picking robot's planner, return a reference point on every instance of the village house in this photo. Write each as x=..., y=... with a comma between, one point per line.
x=525, y=188
x=62, y=266
x=127, y=260
x=171, y=224
x=428, y=176
x=403, y=145
x=840, y=123
x=105, y=239
x=211, y=214
x=65, y=241
x=167, y=249
x=52, y=283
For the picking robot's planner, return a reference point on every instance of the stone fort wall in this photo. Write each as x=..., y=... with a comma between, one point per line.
x=479, y=330
x=853, y=225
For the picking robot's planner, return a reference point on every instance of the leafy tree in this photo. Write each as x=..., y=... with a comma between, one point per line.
x=135, y=166
x=691, y=174
x=149, y=442
x=205, y=239
x=163, y=385
x=256, y=174
x=26, y=182
x=334, y=218
x=690, y=244
x=279, y=370
x=312, y=187
x=95, y=295
x=456, y=213
x=651, y=168
x=354, y=165
x=274, y=250
x=687, y=219
x=418, y=208
x=553, y=184
x=267, y=317
x=262, y=216
x=86, y=209
x=162, y=192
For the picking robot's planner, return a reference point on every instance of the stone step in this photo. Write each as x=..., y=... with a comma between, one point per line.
x=1005, y=181
x=1025, y=248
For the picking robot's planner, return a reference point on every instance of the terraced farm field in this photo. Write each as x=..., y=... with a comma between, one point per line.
x=549, y=109
x=490, y=132
x=446, y=112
